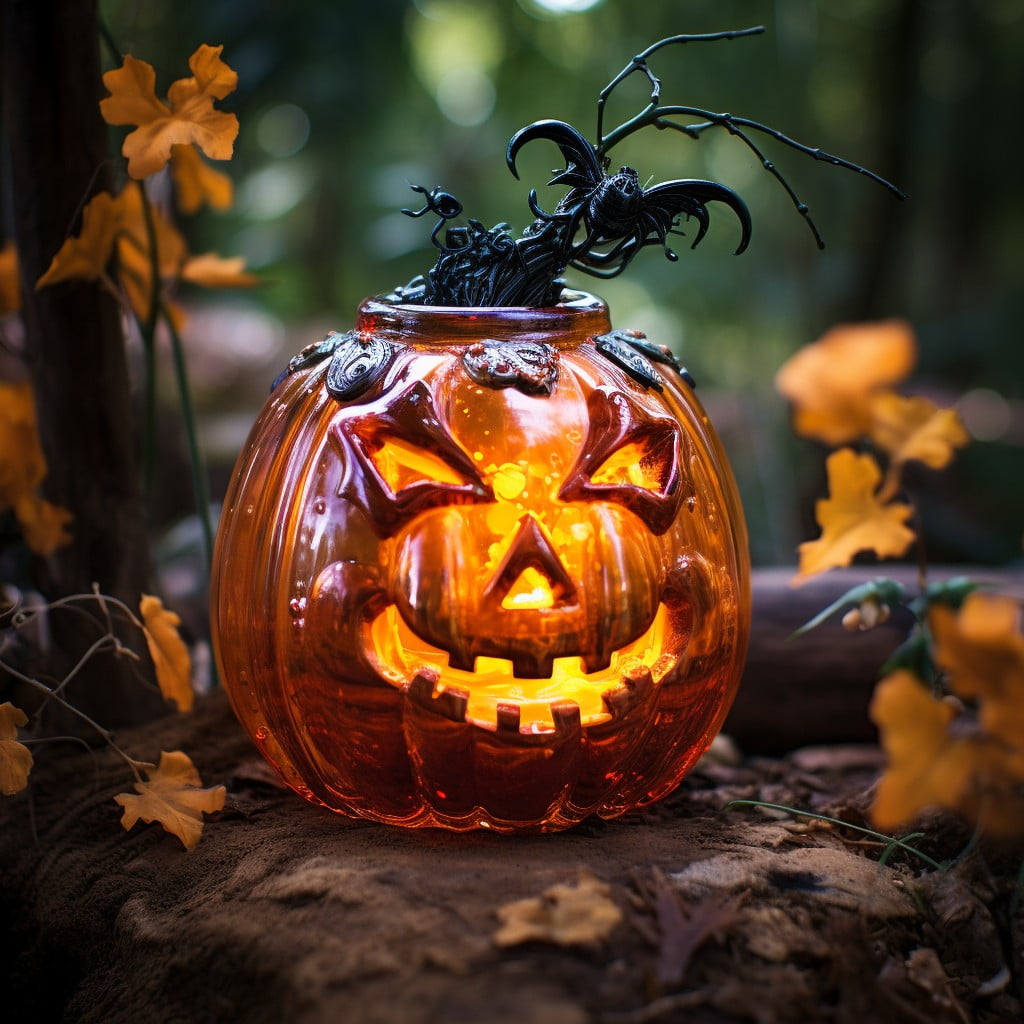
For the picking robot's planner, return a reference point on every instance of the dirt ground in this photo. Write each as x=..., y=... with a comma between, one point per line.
x=684, y=912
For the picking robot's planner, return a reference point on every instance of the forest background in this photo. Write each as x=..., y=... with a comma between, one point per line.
x=343, y=106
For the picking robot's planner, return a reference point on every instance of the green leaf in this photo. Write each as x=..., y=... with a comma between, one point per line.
x=914, y=655
x=881, y=589
x=952, y=592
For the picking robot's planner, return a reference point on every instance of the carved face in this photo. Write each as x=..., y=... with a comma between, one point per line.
x=514, y=589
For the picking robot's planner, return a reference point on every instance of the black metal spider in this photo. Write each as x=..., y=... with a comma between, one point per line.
x=604, y=220
x=615, y=209
x=444, y=204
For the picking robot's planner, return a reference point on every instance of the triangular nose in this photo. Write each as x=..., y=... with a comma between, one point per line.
x=531, y=575
x=531, y=590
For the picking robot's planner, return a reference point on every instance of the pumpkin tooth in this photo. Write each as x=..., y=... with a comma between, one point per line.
x=507, y=717
x=451, y=702
x=633, y=688
x=566, y=716
x=421, y=687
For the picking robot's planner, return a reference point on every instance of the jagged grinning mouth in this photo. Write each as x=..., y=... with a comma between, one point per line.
x=399, y=655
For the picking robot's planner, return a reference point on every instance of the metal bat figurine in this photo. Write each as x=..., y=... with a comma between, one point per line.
x=605, y=218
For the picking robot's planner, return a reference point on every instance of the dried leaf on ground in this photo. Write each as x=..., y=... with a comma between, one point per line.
x=173, y=796
x=564, y=915
x=10, y=289
x=168, y=651
x=831, y=382
x=15, y=757
x=189, y=118
x=196, y=182
x=852, y=518
x=684, y=929
x=916, y=429
x=922, y=971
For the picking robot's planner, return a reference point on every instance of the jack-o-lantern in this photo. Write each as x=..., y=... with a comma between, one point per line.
x=482, y=568
x=482, y=562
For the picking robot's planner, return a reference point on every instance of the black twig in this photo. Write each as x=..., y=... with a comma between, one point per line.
x=639, y=63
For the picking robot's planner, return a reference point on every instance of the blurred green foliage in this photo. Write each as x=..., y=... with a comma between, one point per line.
x=344, y=105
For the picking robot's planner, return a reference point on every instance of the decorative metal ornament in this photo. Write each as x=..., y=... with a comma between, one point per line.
x=621, y=351
x=531, y=368
x=356, y=365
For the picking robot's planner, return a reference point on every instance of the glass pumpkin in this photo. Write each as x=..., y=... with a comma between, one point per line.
x=488, y=570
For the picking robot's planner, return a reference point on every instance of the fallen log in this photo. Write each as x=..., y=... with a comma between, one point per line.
x=816, y=688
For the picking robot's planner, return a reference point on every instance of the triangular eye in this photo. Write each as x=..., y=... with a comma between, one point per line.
x=631, y=456
x=398, y=459
x=647, y=462
x=402, y=464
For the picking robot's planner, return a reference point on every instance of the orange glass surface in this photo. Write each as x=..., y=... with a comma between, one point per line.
x=451, y=604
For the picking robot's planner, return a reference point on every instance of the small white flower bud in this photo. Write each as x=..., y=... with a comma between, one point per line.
x=852, y=620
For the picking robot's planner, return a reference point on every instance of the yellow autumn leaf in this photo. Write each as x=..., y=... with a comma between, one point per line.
x=22, y=469
x=134, y=239
x=196, y=182
x=852, y=518
x=831, y=382
x=981, y=649
x=565, y=915
x=189, y=118
x=168, y=651
x=134, y=259
x=174, y=797
x=43, y=524
x=914, y=732
x=22, y=466
x=10, y=289
x=86, y=256
x=118, y=224
x=15, y=757
x=213, y=271
x=916, y=429
x=931, y=765
x=135, y=275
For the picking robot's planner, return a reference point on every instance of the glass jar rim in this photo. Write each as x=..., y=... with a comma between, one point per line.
x=577, y=316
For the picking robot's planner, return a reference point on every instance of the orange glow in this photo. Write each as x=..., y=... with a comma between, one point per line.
x=400, y=464
x=399, y=653
x=630, y=465
x=531, y=590
x=450, y=604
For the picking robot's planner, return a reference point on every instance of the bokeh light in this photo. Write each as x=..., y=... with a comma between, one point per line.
x=563, y=6
x=283, y=130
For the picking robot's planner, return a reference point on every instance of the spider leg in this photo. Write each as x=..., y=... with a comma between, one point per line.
x=654, y=223
x=600, y=271
x=595, y=257
x=426, y=209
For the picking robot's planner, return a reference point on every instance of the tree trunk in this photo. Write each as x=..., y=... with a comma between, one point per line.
x=58, y=159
